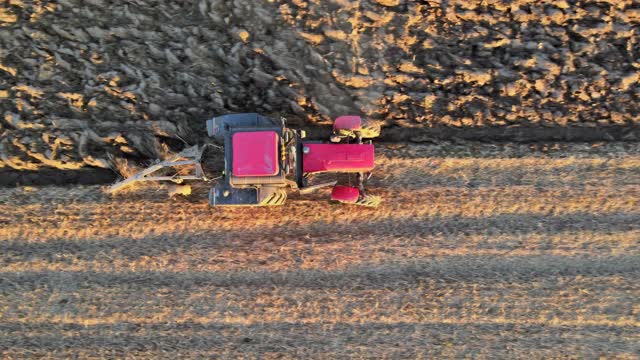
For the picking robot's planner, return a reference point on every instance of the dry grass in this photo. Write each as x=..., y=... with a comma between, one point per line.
x=503, y=251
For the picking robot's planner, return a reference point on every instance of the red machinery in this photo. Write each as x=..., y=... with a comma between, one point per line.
x=263, y=158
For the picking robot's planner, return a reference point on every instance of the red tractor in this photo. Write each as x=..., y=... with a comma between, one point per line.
x=262, y=158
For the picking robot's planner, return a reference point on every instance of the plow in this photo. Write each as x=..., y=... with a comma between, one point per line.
x=264, y=159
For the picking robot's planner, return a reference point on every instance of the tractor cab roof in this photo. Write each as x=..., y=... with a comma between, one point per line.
x=254, y=153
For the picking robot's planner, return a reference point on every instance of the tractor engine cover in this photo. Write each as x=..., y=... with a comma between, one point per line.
x=337, y=157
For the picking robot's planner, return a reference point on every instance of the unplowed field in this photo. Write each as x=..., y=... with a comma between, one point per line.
x=479, y=250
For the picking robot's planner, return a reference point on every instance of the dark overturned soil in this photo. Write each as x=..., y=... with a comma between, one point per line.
x=49, y=176
x=84, y=83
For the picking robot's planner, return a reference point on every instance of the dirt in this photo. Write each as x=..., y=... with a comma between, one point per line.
x=85, y=176
x=85, y=82
x=479, y=250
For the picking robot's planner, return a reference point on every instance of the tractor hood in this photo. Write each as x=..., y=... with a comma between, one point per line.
x=337, y=157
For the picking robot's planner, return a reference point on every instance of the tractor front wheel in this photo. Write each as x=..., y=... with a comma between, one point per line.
x=369, y=129
x=369, y=201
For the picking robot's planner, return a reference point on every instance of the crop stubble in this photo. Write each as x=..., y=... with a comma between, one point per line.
x=479, y=250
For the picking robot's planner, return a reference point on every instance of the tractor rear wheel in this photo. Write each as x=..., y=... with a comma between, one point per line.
x=275, y=197
x=212, y=161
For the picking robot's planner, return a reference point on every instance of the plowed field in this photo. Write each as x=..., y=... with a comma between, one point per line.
x=83, y=82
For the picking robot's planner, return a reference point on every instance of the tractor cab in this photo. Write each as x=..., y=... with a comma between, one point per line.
x=254, y=153
x=255, y=159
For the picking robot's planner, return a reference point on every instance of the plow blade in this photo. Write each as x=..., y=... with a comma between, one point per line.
x=189, y=156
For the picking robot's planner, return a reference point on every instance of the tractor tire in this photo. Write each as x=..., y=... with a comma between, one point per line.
x=369, y=201
x=274, y=198
x=213, y=161
x=219, y=126
x=369, y=130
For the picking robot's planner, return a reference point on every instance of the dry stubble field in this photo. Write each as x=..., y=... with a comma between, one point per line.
x=479, y=250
